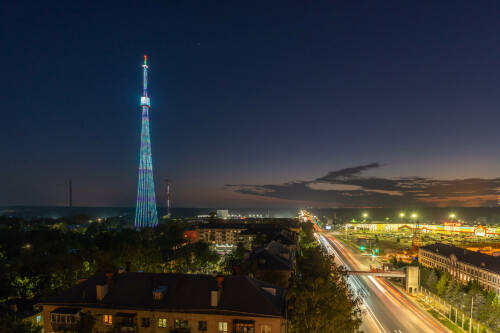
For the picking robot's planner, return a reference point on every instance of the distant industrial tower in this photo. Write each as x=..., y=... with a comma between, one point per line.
x=169, y=197
x=70, y=194
x=146, y=214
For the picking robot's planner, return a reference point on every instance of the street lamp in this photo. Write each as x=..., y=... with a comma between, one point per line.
x=402, y=215
x=414, y=215
x=452, y=216
x=365, y=215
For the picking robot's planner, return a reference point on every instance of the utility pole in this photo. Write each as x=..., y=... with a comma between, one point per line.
x=471, y=307
x=70, y=193
x=168, y=184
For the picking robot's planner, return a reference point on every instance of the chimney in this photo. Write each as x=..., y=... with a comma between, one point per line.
x=216, y=294
x=220, y=281
x=101, y=290
x=214, y=298
x=109, y=279
x=159, y=292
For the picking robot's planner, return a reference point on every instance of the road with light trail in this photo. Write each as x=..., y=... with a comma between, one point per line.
x=386, y=310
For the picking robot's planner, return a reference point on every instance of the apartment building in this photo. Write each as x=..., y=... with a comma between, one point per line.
x=225, y=236
x=462, y=264
x=180, y=303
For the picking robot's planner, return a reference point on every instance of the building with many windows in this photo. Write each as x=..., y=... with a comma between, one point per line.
x=151, y=302
x=462, y=264
x=225, y=237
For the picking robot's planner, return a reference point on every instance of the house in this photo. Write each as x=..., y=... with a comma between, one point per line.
x=154, y=302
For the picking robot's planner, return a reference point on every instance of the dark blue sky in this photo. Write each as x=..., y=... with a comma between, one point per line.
x=247, y=93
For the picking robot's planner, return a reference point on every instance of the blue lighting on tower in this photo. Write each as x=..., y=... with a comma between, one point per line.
x=146, y=214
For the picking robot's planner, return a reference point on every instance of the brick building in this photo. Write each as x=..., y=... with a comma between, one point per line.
x=462, y=264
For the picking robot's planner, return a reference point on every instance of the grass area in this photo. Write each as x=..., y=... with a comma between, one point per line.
x=448, y=324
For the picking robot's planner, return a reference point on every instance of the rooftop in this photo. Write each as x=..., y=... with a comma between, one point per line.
x=182, y=293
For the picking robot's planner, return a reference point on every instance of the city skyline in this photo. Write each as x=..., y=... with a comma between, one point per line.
x=247, y=104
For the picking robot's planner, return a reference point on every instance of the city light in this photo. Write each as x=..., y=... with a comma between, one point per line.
x=402, y=215
x=365, y=215
x=414, y=215
x=452, y=216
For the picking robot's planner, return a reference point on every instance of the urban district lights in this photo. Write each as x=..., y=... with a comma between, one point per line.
x=452, y=216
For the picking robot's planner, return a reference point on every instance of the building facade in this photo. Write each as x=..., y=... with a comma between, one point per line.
x=225, y=238
x=462, y=264
x=149, y=302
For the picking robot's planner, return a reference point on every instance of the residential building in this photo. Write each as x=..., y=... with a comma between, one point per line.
x=225, y=237
x=464, y=265
x=152, y=302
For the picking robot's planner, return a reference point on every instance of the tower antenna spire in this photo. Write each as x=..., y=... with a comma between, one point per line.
x=146, y=214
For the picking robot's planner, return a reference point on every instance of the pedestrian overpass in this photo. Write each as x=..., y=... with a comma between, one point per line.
x=379, y=273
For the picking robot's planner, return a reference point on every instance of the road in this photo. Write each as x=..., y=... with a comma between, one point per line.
x=385, y=308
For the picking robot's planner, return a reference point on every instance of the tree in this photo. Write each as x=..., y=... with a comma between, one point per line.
x=431, y=281
x=453, y=293
x=13, y=324
x=443, y=283
x=319, y=281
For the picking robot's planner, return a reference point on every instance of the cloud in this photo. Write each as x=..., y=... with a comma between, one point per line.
x=350, y=188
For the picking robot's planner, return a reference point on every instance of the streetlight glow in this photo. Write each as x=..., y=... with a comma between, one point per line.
x=402, y=214
x=414, y=215
x=452, y=215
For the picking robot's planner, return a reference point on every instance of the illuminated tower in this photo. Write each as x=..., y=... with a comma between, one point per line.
x=145, y=211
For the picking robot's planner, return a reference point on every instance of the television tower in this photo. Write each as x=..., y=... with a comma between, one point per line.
x=146, y=214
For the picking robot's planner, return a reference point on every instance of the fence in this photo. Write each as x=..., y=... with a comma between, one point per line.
x=454, y=314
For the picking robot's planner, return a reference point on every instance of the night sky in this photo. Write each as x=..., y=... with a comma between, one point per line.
x=254, y=103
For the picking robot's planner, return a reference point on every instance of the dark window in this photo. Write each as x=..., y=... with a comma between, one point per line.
x=202, y=325
x=145, y=322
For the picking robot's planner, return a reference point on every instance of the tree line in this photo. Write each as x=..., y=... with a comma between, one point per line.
x=485, y=304
x=319, y=299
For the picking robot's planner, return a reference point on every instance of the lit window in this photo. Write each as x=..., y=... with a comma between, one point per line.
x=180, y=323
x=222, y=327
x=162, y=322
x=265, y=329
x=108, y=319
x=38, y=318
